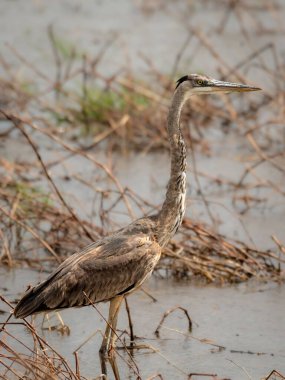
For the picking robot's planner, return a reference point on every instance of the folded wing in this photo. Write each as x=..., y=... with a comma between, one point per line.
x=103, y=270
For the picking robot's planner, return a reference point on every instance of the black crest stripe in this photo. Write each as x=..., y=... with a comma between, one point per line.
x=182, y=79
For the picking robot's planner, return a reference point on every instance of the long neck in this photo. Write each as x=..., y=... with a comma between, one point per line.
x=171, y=214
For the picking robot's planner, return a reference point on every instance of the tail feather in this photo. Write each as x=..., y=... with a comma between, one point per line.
x=31, y=302
x=34, y=300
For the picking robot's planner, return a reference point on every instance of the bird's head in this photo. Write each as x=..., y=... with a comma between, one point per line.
x=195, y=84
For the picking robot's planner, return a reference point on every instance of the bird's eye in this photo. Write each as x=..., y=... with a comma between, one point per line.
x=199, y=82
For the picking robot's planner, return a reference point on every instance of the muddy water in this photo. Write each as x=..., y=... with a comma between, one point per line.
x=246, y=318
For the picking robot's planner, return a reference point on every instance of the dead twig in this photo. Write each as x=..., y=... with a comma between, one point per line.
x=166, y=314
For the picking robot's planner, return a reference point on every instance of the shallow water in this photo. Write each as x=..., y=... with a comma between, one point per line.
x=246, y=318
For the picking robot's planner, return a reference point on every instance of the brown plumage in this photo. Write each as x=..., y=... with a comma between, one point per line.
x=109, y=268
x=118, y=264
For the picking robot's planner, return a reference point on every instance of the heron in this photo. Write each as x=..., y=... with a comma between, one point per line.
x=116, y=265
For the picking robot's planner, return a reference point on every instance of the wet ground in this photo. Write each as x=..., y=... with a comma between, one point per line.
x=245, y=321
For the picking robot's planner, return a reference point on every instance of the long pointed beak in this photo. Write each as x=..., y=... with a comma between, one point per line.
x=218, y=85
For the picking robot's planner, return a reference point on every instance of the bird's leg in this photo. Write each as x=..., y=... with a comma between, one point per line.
x=113, y=336
x=109, y=336
x=104, y=345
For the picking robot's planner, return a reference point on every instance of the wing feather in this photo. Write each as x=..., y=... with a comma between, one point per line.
x=102, y=270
